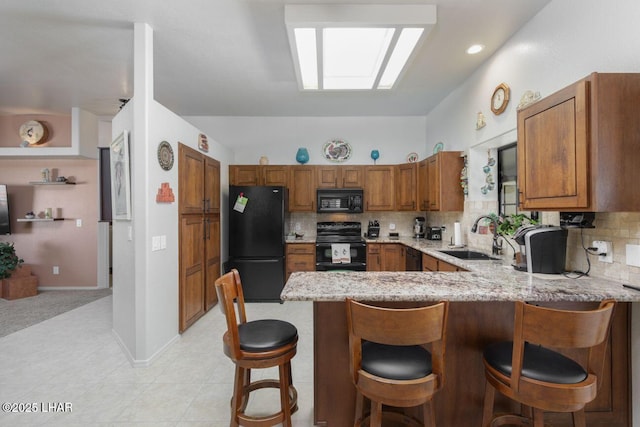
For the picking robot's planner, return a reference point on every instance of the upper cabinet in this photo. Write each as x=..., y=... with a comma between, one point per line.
x=439, y=182
x=339, y=176
x=379, y=188
x=578, y=148
x=258, y=174
x=302, y=189
x=431, y=185
x=406, y=187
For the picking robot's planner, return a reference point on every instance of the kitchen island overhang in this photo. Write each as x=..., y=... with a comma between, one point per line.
x=481, y=312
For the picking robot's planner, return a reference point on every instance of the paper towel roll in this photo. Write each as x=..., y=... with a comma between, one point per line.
x=457, y=234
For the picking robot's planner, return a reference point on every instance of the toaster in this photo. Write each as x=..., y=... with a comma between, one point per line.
x=434, y=233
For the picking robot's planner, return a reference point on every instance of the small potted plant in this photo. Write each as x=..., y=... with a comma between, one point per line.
x=9, y=261
x=509, y=224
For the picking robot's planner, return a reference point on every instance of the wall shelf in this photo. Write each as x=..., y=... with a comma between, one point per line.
x=39, y=219
x=51, y=183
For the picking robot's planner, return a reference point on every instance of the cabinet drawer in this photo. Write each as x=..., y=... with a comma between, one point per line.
x=301, y=262
x=373, y=248
x=429, y=263
x=301, y=248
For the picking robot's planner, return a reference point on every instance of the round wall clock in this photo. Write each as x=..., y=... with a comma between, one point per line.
x=500, y=98
x=165, y=155
x=33, y=132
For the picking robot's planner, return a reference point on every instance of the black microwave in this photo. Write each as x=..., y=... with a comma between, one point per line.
x=346, y=200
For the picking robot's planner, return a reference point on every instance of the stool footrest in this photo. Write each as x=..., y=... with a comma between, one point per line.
x=392, y=418
x=272, y=419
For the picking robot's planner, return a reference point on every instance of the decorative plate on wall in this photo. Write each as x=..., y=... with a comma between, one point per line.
x=412, y=157
x=336, y=150
x=165, y=155
x=438, y=147
x=33, y=132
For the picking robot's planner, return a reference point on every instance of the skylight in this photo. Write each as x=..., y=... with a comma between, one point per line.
x=354, y=47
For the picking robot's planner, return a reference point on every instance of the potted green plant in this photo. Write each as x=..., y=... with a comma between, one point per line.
x=9, y=261
x=509, y=224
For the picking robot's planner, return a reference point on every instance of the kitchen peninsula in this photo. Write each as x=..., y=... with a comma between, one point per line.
x=481, y=312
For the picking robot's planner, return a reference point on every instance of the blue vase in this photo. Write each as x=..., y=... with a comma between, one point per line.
x=375, y=155
x=302, y=156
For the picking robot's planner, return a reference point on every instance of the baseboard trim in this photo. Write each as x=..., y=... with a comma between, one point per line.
x=68, y=288
x=142, y=363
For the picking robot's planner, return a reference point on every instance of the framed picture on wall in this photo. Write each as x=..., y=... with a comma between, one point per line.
x=120, y=178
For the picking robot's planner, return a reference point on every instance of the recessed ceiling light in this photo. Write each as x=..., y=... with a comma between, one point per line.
x=354, y=47
x=476, y=48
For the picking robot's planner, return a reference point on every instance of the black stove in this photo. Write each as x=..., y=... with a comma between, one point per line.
x=339, y=232
x=332, y=236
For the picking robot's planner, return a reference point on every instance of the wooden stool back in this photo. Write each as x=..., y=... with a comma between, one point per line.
x=261, y=344
x=423, y=326
x=552, y=329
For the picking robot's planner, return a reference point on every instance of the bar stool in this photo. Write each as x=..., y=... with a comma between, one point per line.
x=529, y=371
x=390, y=362
x=257, y=344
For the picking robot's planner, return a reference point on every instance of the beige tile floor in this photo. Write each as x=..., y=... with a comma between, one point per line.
x=74, y=359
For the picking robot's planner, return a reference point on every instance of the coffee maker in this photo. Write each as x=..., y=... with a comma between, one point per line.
x=543, y=249
x=418, y=227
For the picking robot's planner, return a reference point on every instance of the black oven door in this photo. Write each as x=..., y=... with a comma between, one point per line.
x=358, y=252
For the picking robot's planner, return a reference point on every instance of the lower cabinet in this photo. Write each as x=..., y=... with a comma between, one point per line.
x=300, y=257
x=430, y=263
x=385, y=257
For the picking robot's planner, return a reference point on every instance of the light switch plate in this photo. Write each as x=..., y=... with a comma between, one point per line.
x=633, y=255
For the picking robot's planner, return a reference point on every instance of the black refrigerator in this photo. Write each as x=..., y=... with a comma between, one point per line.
x=257, y=239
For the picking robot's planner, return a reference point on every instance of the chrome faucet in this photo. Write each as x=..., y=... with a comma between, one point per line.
x=496, y=249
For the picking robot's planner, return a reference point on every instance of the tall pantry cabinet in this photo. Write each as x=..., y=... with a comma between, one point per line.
x=199, y=234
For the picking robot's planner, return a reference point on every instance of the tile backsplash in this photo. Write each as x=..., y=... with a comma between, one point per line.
x=620, y=228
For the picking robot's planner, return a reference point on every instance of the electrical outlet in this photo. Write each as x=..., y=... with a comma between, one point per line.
x=56, y=269
x=604, y=250
x=78, y=222
x=392, y=226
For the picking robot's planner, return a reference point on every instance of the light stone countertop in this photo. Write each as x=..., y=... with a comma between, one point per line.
x=484, y=281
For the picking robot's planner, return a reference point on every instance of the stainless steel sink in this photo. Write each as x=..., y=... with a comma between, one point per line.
x=470, y=255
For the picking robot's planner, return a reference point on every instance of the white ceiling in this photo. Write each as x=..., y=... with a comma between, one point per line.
x=220, y=57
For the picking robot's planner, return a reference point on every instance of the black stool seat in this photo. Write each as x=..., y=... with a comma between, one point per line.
x=539, y=363
x=396, y=362
x=267, y=334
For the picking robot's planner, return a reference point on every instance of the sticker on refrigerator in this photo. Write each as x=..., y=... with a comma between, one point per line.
x=241, y=203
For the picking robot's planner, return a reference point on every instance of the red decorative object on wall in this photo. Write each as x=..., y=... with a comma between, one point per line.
x=165, y=194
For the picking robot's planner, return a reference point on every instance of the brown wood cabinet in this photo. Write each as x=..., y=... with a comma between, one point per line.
x=393, y=257
x=258, y=175
x=199, y=233
x=374, y=257
x=339, y=176
x=302, y=189
x=439, y=182
x=385, y=257
x=300, y=257
x=578, y=148
x=430, y=263
x=379, y=188
x=406, y=187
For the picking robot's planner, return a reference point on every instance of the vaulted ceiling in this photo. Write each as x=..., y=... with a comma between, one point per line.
x=221, y=57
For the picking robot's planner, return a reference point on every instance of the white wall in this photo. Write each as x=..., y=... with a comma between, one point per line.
x=145, y=290
x=279, y=138
x=565, y=42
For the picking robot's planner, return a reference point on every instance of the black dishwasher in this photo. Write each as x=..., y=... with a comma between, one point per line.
x=413, y=260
